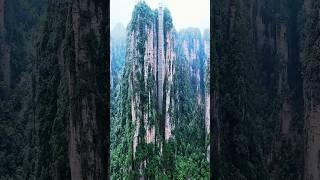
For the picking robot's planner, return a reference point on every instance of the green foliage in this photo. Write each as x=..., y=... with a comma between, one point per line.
x=167, y=26
x=251, y=85
x=236, y=86
x=158, y=160
x=22, y=22
x=195, y=167
x=142, y=13
x=51, y=110
x=167, y=20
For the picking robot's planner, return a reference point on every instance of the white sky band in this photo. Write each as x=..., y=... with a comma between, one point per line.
x=185, y=13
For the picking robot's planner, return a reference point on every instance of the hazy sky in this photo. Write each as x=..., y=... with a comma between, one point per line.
x=185, y=13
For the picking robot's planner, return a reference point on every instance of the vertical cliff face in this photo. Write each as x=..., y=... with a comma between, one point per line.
x=117, y=54
x=139, y=76
x=17, y=47
x=142, y=53
x=49, y=88
x=2, y=15
x=87, y=88
x=235, y=87
x=277, y=42
x=311, y=89
x=70, y=92
x=160, y=57
x=206, y=44
x=4, y=51
x=154, y=109
x=193, y=50
x=272, y=26
x=170, y=60
x=151, y=125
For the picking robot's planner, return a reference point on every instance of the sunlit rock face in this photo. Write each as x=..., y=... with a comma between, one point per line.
x=206, y=44
x=170, y=58
x=142, y=60
x=150, y=127
x=143, y=106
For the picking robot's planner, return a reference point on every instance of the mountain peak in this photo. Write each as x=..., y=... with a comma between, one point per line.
x=118, y=31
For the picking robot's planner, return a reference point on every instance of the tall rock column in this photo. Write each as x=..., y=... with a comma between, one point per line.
x=2, y=16
x=207, y=80
x=311, y=88
x=233, y=98
x=87, y=84
x=140, y=77
x=161, y=68
x=206, y=42
x=70, y=90
x=4, y=50
x=170, y=58
x=147, y=71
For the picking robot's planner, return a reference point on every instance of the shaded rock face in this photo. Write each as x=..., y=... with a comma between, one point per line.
x=279, y=67
x=276, y=37
x=277, y=49
x=272, y=28
x=312, y=146
x=2, y=2
x=5, y=62
x=87, y=118
x=311, y=90
x=70, y=74
x=5, y=65
x=19, y=23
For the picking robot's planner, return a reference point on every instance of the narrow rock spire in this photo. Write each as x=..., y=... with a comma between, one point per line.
x=160, y=57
